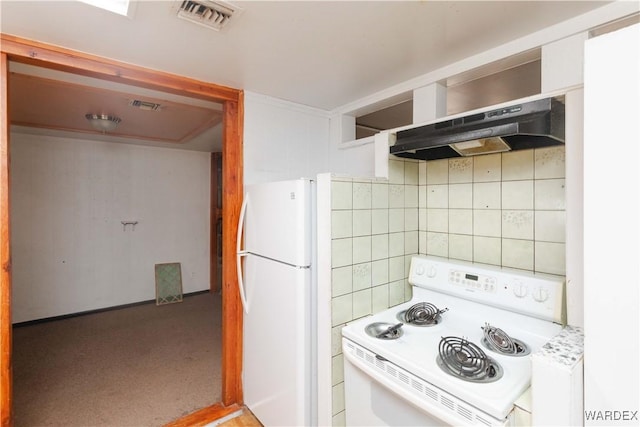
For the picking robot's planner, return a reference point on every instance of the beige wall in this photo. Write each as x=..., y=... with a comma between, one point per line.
x=71, y=252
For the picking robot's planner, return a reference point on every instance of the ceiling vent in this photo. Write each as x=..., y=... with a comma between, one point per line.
x=212, y=14
x=144, y=105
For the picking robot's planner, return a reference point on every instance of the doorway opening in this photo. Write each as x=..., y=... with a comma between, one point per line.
x=22, y=51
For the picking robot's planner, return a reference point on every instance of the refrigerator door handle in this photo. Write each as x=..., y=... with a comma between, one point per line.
x=240, y=253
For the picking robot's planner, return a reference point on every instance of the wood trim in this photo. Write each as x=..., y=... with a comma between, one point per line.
x=232, y=193
x=47, y=56
x=5, y=255
x=59, y=58
x=216, y=215
x=205, y=415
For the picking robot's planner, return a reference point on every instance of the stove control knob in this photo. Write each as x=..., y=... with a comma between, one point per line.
x=540, y=295
x=431, y=271
x=520, y=290
x=419, y=270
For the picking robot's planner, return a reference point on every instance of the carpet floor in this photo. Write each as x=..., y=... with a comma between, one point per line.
x=139, y=366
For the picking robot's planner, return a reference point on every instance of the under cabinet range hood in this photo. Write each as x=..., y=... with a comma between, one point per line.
x=532, y=124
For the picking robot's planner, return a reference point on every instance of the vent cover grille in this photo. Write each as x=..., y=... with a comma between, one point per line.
x=144, y=105
x=212, y=14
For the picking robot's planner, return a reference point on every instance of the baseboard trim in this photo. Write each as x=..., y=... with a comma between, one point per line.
x=96, y=311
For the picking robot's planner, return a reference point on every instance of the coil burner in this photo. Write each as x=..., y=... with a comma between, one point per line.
x=421, y=314
x=465, y=360
x=497, y=340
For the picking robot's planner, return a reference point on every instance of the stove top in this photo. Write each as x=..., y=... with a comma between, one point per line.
x=477, y=323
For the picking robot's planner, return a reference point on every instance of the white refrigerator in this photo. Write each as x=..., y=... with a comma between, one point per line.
x=275, y=262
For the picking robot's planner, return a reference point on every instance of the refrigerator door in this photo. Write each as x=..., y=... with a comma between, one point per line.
x=276, y=340
x=277, y=221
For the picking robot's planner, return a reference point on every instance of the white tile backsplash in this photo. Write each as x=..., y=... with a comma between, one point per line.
x=396, y=171
x=517, y=224
x=396, y=269
x=361, y=249
x=341, y=309
x=550, y=226
x=487, y=250
x=336, y=340
x=461, y=247
x=337, y=369
x=460, y=196
x=410, y=242
x=337, y=398
x=411, y=196
x=380, y=298
x=396, y=292
x=396, y=220
x=460, y=170
x=438, y=220
x=411, y=173
x=422, y=242
x=361, y=277
x=438, y=196
x=549, y=194
x=517, y=165
x=517, y=254
x=380, y=272
x=379, y=221
x=487, y=222
x=460, y=221
x=517, y=194
x=422, y=173
x=487, y=168
x=361, y=303
x=341, y=195
x=339, y=419
x=411, y=219
x=379, y=247
x=341, y=280
x=396, y=196
x=437, y=244
x=396, y=244
x=549, y=162
x=486, y=195
x=341, y=224
x=379, y=195
x=437, y=172
x=361, y=222
x=499, y=208
x=362, y=195
x=550, y=258
x=341, y=252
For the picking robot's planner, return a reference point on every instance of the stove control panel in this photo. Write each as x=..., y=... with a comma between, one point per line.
x=536, y=294
x=473, y=281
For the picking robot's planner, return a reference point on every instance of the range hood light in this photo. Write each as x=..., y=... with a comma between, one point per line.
x=481, y=146
x=469, y=144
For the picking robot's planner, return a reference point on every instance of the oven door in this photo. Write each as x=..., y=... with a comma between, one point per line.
x=379, y=393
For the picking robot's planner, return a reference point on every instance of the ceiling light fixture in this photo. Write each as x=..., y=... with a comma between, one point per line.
x=103, y=122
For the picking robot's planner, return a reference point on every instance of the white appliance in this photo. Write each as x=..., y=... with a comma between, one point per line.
x=276, y=287
x=401, y=366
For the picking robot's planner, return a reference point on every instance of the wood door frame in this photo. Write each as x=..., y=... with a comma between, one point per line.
x=47, y=56
x=216, y=215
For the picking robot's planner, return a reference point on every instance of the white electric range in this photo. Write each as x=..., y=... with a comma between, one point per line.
x=458, y=353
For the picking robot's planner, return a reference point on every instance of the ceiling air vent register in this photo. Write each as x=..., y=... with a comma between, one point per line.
x=144, y=105
x=212, y=14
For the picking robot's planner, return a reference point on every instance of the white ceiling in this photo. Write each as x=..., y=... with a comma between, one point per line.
x=317, y=53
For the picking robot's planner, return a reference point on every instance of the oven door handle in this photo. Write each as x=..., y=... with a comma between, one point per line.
x=424, y=403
